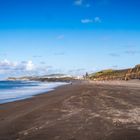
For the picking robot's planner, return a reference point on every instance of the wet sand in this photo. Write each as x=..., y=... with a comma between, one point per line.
x=81, y=111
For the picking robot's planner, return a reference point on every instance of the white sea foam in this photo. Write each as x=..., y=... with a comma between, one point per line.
x=23, y=92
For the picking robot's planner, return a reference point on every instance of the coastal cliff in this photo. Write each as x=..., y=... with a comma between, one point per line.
x=124, y=74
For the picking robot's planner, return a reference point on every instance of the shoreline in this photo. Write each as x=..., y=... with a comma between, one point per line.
x=33, y=92
x=131, y=83
x=81, y=111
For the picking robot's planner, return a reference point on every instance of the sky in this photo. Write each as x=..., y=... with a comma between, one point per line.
x=40, y=37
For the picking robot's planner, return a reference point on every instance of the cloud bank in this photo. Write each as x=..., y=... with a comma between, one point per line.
x=9, y=67
x=25, y=68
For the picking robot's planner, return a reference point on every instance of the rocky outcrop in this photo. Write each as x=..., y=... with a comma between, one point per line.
x=125, y=74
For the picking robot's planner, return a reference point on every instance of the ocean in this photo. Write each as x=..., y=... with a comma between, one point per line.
x=18, y=90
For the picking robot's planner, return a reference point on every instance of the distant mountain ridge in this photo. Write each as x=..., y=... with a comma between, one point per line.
x=124, y=74
x=51, y=78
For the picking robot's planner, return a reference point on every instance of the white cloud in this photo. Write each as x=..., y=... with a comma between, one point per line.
x=7, y=66
x=7, y=63
x=29, y=66
x=78, y=2
x=95, y=20
x=24, y=68
x=82, y=3
x=87, y=21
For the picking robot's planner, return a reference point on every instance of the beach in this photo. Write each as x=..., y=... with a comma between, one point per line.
x=82, y=111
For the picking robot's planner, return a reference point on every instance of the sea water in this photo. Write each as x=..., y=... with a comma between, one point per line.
x=17, y=90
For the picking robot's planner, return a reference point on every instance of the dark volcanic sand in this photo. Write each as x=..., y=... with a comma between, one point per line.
x=82, y=111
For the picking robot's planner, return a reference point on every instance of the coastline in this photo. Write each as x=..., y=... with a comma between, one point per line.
x=81, y=111
x=21, y=90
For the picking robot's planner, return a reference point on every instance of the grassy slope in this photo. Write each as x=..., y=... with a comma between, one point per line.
x=125, y=74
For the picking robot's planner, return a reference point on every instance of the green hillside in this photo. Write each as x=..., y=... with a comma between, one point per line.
x=124, y=74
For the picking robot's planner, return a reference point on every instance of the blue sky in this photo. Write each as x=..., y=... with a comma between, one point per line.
x=68, y=36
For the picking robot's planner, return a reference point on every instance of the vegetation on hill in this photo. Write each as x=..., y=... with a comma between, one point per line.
x=124, y=74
